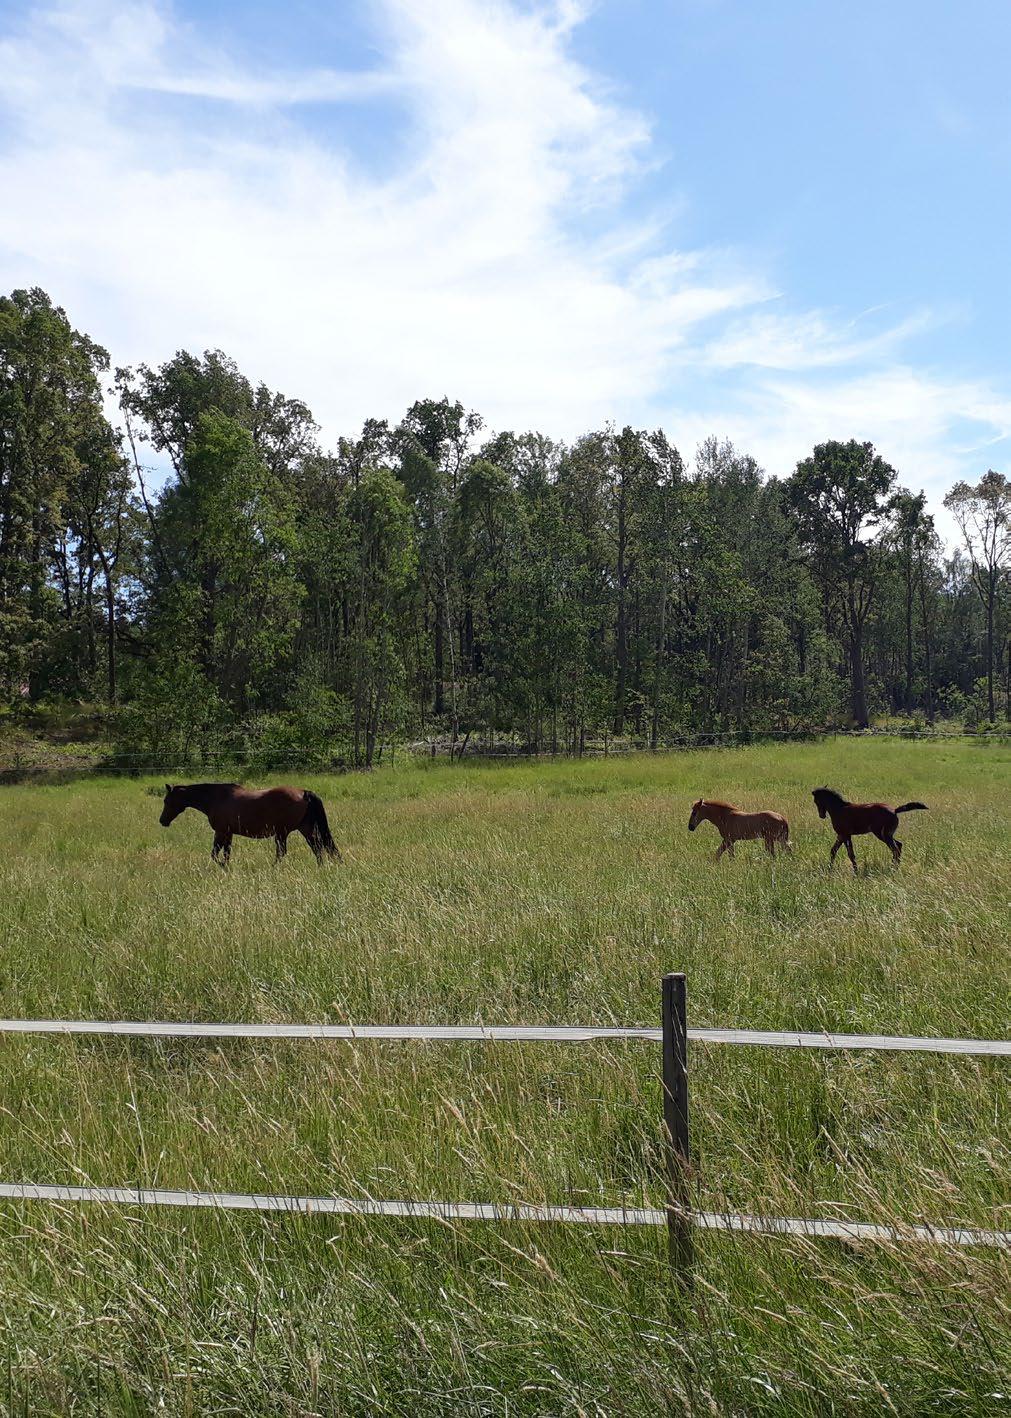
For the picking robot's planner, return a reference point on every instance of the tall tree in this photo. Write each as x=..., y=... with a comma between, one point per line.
x=50, y=398
x=382, y=540
x=229, y=529
x=983, y=513
x=170, y=400
x=909, y=536
x=838, y=495
x=433, y=441
x=103, y=524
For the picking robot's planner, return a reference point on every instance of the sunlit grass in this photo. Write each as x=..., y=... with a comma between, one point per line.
x=520, y=893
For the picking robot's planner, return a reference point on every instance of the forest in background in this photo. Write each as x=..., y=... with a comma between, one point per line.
x=428, y=579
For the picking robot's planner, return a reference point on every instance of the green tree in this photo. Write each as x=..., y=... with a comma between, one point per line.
x=433, y=442
x=838, y=496
x=228, y=528
x=383, y=563
x=983, y=514
x=104, y=533
x=912, y=538
x=50, y=409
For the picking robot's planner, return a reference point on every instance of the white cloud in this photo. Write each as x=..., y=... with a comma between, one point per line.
x=460, y=264
x=458, y=273
x=807, y=341
x=932, y=429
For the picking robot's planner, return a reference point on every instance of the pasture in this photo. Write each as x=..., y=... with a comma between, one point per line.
x=518, y=893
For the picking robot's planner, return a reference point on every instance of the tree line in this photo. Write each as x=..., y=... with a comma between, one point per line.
x=430, y=579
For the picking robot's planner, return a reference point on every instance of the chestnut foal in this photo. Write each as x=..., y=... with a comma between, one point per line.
x=734, y=825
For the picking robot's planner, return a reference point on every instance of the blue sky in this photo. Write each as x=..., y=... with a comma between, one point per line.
x=779, y=223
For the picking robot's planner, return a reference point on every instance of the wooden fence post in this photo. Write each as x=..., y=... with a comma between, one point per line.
x=675, y=1113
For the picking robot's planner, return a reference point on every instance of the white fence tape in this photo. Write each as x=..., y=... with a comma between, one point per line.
x=566, y=1034
x=448, y=1211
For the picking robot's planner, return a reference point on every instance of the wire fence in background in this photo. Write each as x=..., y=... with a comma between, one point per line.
x=138, y=765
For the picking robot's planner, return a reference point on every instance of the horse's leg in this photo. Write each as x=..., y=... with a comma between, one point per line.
x=222, y=844
x=850, y=852
x=770, y=846
x=280, y=846
x=837, y=844
x=725, y=846
x=890, y=842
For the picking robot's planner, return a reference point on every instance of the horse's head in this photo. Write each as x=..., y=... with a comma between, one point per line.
x=823, y=800
x=175, y=803
x=696, y=816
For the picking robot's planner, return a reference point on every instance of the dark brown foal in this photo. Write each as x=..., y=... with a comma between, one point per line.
x=854, y=819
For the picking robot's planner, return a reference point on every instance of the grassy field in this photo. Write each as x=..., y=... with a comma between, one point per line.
x=521, y=893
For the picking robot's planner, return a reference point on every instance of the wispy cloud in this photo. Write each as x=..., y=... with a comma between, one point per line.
x=932, y=428
x=808, y=341
x=137, y=46
x=461, y=271
x=491, y=255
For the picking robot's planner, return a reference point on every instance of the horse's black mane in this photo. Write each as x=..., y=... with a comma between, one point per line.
x=205, y=787
x=830, y=795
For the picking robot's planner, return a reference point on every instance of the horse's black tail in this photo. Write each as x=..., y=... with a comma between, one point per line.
x=320, y=839
x=912, y=807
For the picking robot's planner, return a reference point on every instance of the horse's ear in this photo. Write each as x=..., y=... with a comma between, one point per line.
x=168, y=787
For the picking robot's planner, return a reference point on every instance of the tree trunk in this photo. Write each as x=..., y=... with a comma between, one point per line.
x=927, y=649
x=661, y=636
x=857, y=681
x=990, y=600
x=909, y=640
x=621, y=627
x=438, y=701
x=110, y=620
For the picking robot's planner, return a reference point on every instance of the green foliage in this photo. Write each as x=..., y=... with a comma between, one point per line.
x=838, y=496
x=60, y=485
x=315, y=730
x=229, y=534
x=418, y=583
x=173, y=716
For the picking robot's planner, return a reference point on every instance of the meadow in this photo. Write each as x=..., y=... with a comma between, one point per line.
x=517, y=893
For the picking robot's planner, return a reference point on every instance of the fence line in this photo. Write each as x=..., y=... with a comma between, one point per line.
x=448, y=1211
x=505, y=1033
x=139, y=765
x=679, y=1217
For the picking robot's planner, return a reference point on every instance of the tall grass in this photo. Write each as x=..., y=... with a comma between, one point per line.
x=520, y=893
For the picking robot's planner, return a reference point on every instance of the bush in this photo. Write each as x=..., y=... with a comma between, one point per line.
x=174, y=718
x=315, y=731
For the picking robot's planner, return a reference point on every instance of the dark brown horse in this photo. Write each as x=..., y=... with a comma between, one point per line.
x=853, y=819
x=234, y=811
